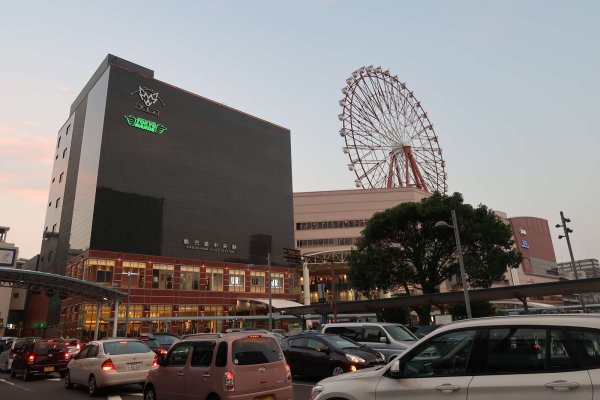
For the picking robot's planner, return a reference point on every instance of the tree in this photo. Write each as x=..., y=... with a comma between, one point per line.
x=400, y=247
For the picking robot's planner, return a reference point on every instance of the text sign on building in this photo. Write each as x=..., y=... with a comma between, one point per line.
x=524, y=244
x=149, y=97
x=210, y=246
x=7, y=257
x=145, y=124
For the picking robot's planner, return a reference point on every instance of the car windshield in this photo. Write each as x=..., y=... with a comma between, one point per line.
x=399, y=332
x=125, y=347
x=340, y=342
x=152, y=343
x=256, y=350
x=166, y=339
x=47, y=347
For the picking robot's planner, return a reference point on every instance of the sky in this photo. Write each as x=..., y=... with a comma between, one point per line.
x=512, y=89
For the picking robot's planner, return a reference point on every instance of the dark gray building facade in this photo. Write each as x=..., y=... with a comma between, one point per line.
x=144, y=167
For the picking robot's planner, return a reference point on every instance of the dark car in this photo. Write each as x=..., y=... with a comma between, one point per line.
x=38, y=357
x=323, y=355
x=166, y=340
x=153, y=343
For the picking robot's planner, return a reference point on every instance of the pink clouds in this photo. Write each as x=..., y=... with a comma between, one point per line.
x=29, y=123
x=4, y=128
x=64, y=88
x=38, y=149
x=29, y=193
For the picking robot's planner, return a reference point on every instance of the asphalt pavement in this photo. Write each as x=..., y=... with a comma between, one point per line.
x=51, y=387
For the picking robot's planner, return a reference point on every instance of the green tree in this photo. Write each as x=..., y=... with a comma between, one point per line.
x=400, y=247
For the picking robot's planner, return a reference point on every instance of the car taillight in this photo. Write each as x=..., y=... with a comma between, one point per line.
x=78, y=347
x=155, y=362
x=229, y=383
x=67, y=356
x=108, y=365
x=288, y=373
x=31, y=359
x=163, y=352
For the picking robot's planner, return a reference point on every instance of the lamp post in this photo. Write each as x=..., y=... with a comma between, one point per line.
x=129, y=274
x=270, y=292
x=444, y=224
x=568, y=230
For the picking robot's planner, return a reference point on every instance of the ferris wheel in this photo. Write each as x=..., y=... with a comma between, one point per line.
x=388, y=136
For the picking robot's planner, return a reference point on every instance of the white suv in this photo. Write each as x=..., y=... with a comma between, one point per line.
x=549, y=357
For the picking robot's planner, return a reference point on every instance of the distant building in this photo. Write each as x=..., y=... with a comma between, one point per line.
x=12, y=300
x=587, y=268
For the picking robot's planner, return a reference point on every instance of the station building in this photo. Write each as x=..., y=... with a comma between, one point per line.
x=169, y=195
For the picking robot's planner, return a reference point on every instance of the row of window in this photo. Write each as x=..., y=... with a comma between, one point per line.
x=134, y=273
x=326, y=242
x=352, y=223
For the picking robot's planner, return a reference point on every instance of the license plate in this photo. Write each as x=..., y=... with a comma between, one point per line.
x=49, y=369
x=268, y=397
x=134, y=366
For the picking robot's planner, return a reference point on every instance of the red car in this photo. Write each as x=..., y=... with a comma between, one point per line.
x=39, y=357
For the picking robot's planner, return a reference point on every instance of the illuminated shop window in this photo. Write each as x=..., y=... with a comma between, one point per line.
x=162, y=276
x=236, y=280
x=135, y=311
x=157, y=311
x=214, y=277
x=277, y=283
x=257, y=282
x=97, y=270
x=190, y=277
x=137, y=269
x=188, y=311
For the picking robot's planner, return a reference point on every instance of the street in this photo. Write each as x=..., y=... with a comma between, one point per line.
x=52, y=388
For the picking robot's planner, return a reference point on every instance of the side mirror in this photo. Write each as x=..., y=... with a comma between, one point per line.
x=394, y=369
x=160, y=360
x=383, y=339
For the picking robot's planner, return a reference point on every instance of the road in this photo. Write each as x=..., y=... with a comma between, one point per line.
x=52, y=388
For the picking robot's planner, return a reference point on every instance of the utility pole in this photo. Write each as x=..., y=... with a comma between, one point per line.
x=568, y=230
x=270, y=293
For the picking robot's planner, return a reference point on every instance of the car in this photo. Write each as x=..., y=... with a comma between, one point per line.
x=39, y=357
x=321, y=355
x=538, y=357
x=237, y=365
x=421, y=331
x=73, y=345
x=6, y=357
x=282, y=332
x=386, y=337
x=152, y=342
x=166, y=340
x=110, y=362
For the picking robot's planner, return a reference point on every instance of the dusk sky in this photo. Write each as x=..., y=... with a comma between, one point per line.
x=511, y=87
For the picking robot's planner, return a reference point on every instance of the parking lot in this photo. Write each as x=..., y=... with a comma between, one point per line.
x=52, y=388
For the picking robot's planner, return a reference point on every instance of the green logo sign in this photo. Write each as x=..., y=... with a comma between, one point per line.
x=146, y=125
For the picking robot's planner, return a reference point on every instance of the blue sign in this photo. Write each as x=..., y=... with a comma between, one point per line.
x=524, y=244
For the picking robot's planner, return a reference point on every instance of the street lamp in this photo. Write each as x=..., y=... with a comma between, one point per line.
x=129, y=275
x=444, y=224
x=568, y=230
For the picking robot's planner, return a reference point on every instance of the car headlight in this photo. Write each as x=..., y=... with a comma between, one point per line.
x=354, y=359
x=316, y=390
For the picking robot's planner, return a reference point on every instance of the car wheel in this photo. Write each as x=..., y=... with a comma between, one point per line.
x=68, y=383
x=337, y=370
x=25, y=375
x=92, y=386
x=149, y=393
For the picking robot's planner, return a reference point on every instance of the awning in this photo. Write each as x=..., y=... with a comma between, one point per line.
x=275, y=303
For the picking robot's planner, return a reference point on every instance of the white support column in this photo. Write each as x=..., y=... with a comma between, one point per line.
x=306, y=283
x=116, y=319
x=98, y=307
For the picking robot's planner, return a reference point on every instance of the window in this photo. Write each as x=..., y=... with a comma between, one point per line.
x=162, y=276
x=97, y=270
x=68, y=128
x=57, y=202
x=64, y=152
x=445, y=355
x=125, y=347
x=252, y=351
x=257, y=282
x=589, y=342
x=236, y=280
x=276, y=283
x=190, y=277
x=221, y=358
x=58, y=144
x=50, y=256
x=372, y=334
x=202, y=354
x=315, y=345
x=60, y=178
x=214, y=277
x=161, y=311
x=53, y=179
x=178, y=356
x=53, y=228
x=515, y=350
x=137, y=270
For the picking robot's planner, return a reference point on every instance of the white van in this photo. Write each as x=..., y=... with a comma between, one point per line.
x=385, y=337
